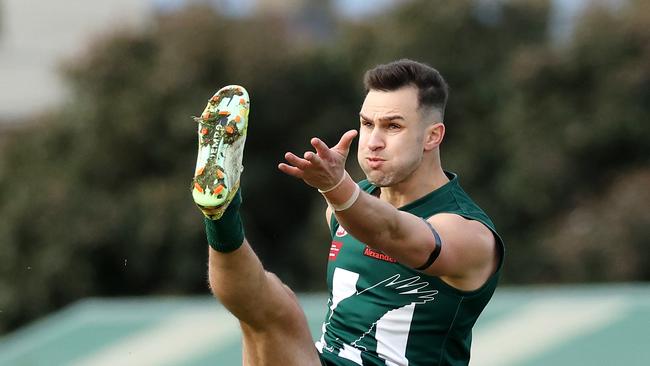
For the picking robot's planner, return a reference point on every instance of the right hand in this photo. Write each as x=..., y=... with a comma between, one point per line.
x=324, y=168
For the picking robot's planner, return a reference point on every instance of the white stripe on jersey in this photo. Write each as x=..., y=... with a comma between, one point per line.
x=392, y=335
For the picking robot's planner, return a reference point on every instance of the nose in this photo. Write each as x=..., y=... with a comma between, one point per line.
x=376, y=140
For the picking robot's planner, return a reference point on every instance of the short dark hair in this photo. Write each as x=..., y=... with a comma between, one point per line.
x=432, y=88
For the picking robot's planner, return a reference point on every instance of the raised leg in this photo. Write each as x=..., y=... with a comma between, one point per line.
x=274, y=327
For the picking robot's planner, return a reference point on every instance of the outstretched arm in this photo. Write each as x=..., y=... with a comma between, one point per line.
x=468, y=245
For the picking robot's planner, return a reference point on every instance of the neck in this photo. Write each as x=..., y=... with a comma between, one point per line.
x=420, y=183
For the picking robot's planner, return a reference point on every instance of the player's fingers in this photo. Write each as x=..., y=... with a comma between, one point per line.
x=312, y=158
x=321, y=148
x=290, y=170
x=346, y=141
x=296, y=161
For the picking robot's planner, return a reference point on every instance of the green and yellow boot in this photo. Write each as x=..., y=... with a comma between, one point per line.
x=222, y=133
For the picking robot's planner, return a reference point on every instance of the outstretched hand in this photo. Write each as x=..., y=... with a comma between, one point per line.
x=324, y=168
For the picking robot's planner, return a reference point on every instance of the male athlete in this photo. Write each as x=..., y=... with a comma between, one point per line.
x=413, y=260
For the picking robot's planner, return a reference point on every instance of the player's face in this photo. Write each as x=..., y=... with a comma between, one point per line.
x=390, y=136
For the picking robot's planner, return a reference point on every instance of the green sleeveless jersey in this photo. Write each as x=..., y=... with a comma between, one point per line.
x=383, y=313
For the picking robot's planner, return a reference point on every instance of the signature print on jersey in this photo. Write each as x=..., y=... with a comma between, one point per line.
x=372, y=325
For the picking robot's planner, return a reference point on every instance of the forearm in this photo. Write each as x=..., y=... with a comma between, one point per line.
x=371, y=221
x=377, y=223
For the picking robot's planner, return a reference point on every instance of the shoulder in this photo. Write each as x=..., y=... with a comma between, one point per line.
x=459, y=228
x=470, y=242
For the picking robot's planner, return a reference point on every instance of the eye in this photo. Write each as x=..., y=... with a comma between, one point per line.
x=366, y=123
x=394, y=126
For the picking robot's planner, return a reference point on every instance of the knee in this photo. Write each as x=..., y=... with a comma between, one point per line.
x=275, y=279
x=287, y=310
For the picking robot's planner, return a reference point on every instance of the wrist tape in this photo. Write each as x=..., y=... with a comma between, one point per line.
x=336, y=185
x=347, y=204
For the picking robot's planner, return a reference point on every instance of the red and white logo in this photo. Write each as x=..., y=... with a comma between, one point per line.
x=341, y=231
x=335, y=249
x=369, y=252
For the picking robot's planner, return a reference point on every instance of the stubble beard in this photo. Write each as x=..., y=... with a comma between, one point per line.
x=383, y=180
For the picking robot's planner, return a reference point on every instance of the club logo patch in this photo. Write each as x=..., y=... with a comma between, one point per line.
x=335, y=249
x=341, y=232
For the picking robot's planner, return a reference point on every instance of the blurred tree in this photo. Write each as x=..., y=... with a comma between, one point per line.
x=577, y=118
x=604, y=237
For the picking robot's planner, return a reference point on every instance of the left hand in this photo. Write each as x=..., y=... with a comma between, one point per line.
x=323, y=169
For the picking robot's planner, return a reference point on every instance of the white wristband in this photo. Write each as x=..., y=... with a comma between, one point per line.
x=347, y=204
x=336, y=185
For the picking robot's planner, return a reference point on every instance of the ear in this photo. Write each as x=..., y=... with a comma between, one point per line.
x=433, y=135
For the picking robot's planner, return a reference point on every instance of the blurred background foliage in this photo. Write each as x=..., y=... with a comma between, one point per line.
x=551, y=138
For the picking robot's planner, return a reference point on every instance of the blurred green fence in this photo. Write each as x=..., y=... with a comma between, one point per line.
x=526, y=326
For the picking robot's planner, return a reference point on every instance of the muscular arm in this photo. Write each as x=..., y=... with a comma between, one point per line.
x=468, y=246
